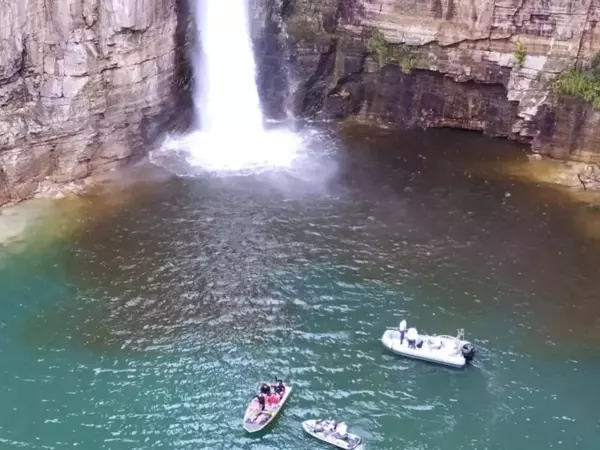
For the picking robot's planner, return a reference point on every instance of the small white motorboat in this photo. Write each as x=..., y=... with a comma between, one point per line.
x=325, y=430
x=256, y=419
x=441, y=349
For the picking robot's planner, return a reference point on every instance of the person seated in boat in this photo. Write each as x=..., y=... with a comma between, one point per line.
x=258, y=407
x=273, y=399
x=419, y=342
x=279, y=388
x=341, y=431
x=265, y=389
x=260, y=399
x=325, y=426
x=330, y=425
x=402, y=329
x=411, y=337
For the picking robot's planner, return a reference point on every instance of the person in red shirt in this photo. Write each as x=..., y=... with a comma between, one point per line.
x=273, y=399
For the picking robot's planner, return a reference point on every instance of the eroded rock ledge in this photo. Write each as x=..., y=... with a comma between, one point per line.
x=483, y=65
x=81, y=84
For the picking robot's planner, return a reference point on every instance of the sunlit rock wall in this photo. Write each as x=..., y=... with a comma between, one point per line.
x=81, y=84
x=462, y=70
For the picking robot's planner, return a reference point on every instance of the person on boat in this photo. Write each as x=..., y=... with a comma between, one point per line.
x=257, y=409
x=279, y=388
x=261, y=402
x=265, y=389
x=273, y=399
x=419, y=342
x=325, y=426
x=341, y=431
x=411, y=337
x=402, y=329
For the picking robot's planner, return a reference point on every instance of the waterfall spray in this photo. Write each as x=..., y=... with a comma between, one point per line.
x=230, y=133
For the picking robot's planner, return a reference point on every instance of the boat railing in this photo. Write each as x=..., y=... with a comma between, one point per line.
x=444, y=336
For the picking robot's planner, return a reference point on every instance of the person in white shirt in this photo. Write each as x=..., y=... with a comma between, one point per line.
x=402, y=329
x=341, y=430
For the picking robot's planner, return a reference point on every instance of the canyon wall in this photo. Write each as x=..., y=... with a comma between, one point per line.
x=82, y=84
x=483, y=65
x=85, y=83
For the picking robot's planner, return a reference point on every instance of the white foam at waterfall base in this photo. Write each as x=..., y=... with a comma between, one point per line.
x=230, y=135
x=236, y=152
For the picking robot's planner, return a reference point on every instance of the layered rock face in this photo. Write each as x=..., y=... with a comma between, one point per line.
x=482, y=65
x=84, y=83
x=81, y=83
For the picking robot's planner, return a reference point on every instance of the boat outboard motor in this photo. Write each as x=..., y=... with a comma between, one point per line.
x=468, y=351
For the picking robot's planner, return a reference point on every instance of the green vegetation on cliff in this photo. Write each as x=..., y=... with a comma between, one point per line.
x=578, y=83
x=520, y=54
x=581, y=83
x=388, y=53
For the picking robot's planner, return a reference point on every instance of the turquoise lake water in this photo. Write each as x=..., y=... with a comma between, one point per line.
x=148, y=326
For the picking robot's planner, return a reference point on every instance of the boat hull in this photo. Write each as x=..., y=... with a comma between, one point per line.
x=450, y=355
x=272, y=412
x=353, y=441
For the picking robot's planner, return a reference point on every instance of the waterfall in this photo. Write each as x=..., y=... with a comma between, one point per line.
x=229, y=133
x=225, y=92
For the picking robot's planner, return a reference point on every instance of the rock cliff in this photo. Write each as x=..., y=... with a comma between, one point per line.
x=82, y=82
x=483, y=65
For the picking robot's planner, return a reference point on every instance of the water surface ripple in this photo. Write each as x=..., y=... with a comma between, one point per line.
x=149, y=327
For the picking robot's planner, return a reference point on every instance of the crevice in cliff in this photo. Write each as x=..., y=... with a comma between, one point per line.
x=24, y=56
x=132, y=31
x=349, y=76
x=6, y=194
x=489, y=39
x=183, y=86
x=583, y=33
x=312, y=93
x=273, y=76
x=517, y=13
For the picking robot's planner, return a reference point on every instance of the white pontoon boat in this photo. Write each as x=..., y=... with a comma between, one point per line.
x=441, y=349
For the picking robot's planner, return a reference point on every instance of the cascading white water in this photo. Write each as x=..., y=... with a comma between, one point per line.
x=225, y=93
x=230, y=134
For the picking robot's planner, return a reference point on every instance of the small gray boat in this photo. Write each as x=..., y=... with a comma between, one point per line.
x=256, y=419
x=325, y=430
